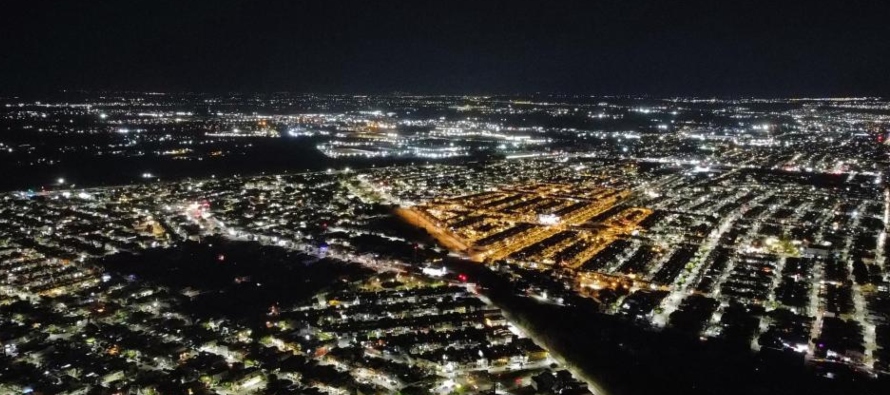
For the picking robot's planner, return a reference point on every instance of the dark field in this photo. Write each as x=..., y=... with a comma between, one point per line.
x=235, y=279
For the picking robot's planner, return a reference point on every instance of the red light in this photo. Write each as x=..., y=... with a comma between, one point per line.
x=462, y=277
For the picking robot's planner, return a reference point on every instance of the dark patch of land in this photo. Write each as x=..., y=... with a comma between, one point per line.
x=235, y=279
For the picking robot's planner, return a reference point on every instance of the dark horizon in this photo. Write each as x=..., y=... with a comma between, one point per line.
x=698, y=48
x=49, y=94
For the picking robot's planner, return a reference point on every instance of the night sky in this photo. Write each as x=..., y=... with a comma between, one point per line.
x=716, y=47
